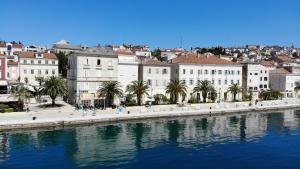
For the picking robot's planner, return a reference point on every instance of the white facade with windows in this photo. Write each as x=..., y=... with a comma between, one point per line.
x=87, y=70
x=255, y=78
x=220, y=73
x=34, y=65
x=127, y=69
x=157, y=75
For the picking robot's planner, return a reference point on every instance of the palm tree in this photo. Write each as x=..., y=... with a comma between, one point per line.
x=38, y=92
x=138, y=88
x=270, y=94
x=213, y=94
x=55, y=86
x=175, y=88
x=297, y=88
x=205, y=87
x=234, y=89
x=110, y=90
x=21, y=94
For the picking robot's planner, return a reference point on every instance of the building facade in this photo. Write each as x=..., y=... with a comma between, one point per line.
x=8, y=48
x=33, y=65
x=255, y=78
x=193, y=69
x=88, y=69
x=157, y=75
x=127, y=68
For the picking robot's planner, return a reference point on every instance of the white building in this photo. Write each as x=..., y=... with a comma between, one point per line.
x=127, y=68
x=8, y=48
x=284, y=81
x=157, y=75
x=255, y=78
x=87, y=70
x=195, y=68
x=65, y=47
x=33, y=65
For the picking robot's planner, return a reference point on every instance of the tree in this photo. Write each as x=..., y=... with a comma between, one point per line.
x=138, y=88
x=62, y=64
x=41, y=80
x=38, y=93
x=204, y=87
x=234, y=89
x=26, y=80
x=110, y=90
x=157, y=54
x=55, y=86
x=213, y=94
x=176, y=88
x=160, y=98
x=21, y=94
x=270, y=94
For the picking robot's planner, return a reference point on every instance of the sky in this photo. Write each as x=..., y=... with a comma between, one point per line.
x=157, y=23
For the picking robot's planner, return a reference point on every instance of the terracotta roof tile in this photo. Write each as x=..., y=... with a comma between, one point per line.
x=10, y=62
x=202, y=59
x=124, y=52
x=267, y=63
x=280, y=71
x=30, y=54
x=153, y=62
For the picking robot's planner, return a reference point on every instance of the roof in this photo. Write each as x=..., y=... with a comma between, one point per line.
x=14, y=44
x=153, y=62
x=280, y=71
x=67, y=46
x=30, y=54
x=202, y=59
x=10, y=62
x=267, y=63
x=124, y=52
x=98, y=50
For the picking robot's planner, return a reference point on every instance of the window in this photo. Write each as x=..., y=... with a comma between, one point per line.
x=176, y=71
x=225, y=72
x=183, y=81
x=25, y=61
x=32, y=71
x=46, y=62
x=250, y=88
x=265, y=78
x=183, y=71
x=191, y=71
x=98, y=62
x=255, y=88
x=238, y=82
x=46, y=72
x=165, y=71
x=261, y=71
x=261, y=86
x=53, y=62
x=149, y=70
x=53, y=72
x=32, y=61
x=86, y=61
x=205, y=71
x=232, y=82
x=250, y=73
x=238, y=72
x=198, y=72
x=260, y=78
x=191, y=82
x=149, y=82
x=255, y=73
x=225, y=82
x=232, y=72
x=265, y=86
x=220, y=72
x=213, y=72
x=219, y=82
x=265, y=71
x=25, y=71
x=212, y=81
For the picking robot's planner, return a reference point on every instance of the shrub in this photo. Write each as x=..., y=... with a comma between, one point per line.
x=113, y=106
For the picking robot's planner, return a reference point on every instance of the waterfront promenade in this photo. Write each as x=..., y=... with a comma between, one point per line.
x=67, y=115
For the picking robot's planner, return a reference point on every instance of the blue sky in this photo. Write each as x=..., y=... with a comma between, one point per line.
x=158, y=23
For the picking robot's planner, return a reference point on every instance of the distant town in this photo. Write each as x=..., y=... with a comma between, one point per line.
x=254, y=68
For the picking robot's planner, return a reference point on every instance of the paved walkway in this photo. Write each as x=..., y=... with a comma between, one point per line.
x=67, y=115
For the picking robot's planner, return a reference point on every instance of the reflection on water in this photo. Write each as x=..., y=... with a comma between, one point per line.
x=122, y=144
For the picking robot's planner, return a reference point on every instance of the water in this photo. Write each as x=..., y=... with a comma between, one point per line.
x=253, y=140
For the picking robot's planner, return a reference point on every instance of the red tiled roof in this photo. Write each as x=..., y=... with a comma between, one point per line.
x=32, y=55
x=10, y=62
x=280, y=71
x=202, y=59
x=124, y=52
x=267, y=63
x=153, y=62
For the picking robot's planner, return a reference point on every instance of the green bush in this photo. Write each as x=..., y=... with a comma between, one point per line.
x=6, y=110
x=3, y=106
x=113, y=106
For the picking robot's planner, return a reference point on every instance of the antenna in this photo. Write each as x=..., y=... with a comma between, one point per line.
x=181, y=42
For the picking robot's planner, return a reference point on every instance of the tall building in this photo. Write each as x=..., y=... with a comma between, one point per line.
x=87, y=70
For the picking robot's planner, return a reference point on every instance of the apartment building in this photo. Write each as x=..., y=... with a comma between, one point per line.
x=33, y=65
x=8, y=48
x=221, y=73
x=127, y=68
x=157, y=75
x=88, y=69
x=255, y=78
